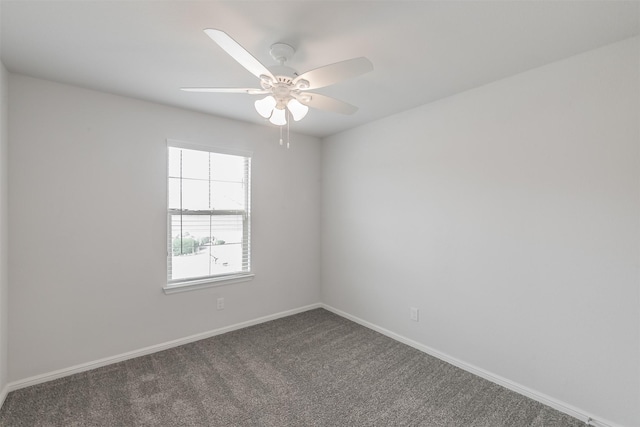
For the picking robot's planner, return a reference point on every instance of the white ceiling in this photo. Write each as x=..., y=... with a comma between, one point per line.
x=421, y=50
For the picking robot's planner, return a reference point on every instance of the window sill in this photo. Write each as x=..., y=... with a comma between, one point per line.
x=207, y=283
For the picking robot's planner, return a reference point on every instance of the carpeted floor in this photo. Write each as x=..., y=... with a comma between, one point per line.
x=311, y=369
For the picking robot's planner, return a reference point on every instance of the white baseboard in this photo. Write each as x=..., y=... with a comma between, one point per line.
x=584, y=416
x=3, y=394
x=38, y=379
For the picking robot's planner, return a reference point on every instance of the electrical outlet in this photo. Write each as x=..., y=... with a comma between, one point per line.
x=220, y=304
x=413, y=314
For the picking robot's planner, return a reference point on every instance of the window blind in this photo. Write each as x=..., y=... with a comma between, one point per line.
x=208, y=217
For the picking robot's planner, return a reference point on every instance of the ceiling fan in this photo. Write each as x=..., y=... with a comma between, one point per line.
x=286, y=91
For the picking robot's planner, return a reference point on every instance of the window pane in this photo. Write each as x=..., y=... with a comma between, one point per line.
x=195, y=194
x=206, y=245
x=174, y=161
x=190, y=187
x=228, y=195
x=174, y=193
x=227, y=168
x=195, y=164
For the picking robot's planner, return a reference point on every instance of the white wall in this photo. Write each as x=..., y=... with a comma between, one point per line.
x=4, y=239
x=4, y=214
x=509, y=215
x=88, y=223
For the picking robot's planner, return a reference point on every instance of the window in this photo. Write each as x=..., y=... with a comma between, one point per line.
x=208, y=216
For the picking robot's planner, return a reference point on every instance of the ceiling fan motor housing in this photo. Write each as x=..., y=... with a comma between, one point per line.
x=283, y=88
x=281, y=53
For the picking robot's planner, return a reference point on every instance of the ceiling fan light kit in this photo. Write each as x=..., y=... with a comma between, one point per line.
x=298, y=110
x=282, y=84
x=278, y=117
x=265, y=106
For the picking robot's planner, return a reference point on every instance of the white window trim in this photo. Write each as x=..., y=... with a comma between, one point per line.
x=212, y=148
x=208, y=282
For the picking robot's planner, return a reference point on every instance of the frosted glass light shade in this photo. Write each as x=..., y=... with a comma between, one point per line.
x=298, y=110
x=265, y=106
x=278, y=117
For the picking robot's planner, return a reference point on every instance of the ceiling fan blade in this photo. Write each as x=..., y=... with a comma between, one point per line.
x=323, y=102
x=334, y=73
x=250, y=91
x=238, y=53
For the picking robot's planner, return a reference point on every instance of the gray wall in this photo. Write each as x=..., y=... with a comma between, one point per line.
x=509, y=215
x=88, y=223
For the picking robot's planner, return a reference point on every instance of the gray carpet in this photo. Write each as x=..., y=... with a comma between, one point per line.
x=311, y=369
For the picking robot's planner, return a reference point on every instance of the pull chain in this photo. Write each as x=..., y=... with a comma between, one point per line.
x=288, y=121
x=281, y=131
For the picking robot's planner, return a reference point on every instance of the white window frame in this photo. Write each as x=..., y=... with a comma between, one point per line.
x=174, y=286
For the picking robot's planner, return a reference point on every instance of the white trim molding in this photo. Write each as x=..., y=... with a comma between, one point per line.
x=208, y=283
x=60, y=373
x=3, y=394
x=588, y=419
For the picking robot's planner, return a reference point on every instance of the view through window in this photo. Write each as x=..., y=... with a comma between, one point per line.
x=208, y=214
